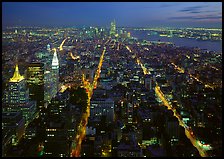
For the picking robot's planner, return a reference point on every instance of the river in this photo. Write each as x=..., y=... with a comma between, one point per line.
x=208, y=45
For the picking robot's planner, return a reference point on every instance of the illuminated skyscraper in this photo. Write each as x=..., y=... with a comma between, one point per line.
x=35, y=81
x=48, y=47
x=113, y=28
x=48, y=86
x=55, y=74
x=17, y=97
x=17, y=94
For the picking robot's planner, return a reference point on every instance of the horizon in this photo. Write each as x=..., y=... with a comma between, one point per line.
x=108, y=27
x=100, y=14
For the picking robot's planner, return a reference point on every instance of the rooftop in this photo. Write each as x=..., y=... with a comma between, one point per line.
x=16, y=76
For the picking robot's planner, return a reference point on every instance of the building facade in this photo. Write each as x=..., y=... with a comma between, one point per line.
x=55, y=74
x=16, y=97
x=103, y=106
x=13, y=128
x=35, y=83
x=113, y=28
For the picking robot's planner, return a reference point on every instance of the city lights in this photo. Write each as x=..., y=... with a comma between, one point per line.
x=112, y=80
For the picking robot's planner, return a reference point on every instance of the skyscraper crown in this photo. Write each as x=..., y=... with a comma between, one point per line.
x=16, y=76
x=55, y=59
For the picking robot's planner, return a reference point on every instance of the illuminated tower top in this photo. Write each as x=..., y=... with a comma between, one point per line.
x=48, y=47
x=16, y=76
x=55, y=63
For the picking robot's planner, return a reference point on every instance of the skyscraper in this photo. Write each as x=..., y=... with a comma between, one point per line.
x=35, y=81
x=17, y=97
x=47, y=86
x=13, y=128
x=113, y=28
x=17, y=94
x=55, y=74
x=48, y=47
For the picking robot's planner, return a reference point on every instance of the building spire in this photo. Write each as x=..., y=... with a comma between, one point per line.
x=48, y=47
x=55, y=59
x=16, y=76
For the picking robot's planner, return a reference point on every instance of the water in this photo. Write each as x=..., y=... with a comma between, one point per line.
x=209, y=45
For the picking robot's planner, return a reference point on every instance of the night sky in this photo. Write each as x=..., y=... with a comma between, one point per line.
x=132, y=14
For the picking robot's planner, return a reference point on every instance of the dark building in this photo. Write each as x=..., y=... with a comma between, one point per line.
x=59, y=103
x=173, y=130
x=35, y=82
x=13, y=127
x=128, y=146
x=56, y=143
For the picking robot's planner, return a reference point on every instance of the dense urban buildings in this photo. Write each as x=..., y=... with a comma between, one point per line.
x=111, y=92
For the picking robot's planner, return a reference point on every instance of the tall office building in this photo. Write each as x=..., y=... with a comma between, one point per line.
x=47, y=86
x=113, y=28
x=56, y=142
x=17, y=97
x=35, y=82
x=48, y=47
x=13, y=128
x=55, y=74
x=16, y=94
x=172, y=129
x=59, y=103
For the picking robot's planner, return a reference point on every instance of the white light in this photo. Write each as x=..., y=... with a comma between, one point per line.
x=55, y=60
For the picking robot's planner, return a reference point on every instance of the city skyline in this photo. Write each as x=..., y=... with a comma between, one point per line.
x=131, y=14
x=111, y=79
